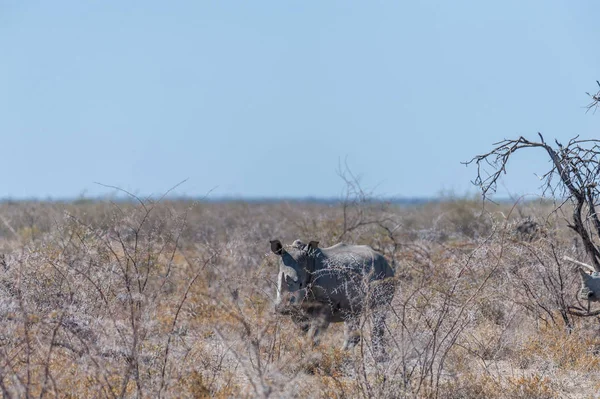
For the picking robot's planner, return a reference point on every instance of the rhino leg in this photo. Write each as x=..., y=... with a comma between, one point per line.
x=319, y=322
x=302, y=321
x=351, y=334
x=378, y=319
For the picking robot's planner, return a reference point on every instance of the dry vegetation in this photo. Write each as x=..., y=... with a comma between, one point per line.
x=175, y=299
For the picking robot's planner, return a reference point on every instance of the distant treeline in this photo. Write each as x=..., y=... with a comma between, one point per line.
x=405, y=201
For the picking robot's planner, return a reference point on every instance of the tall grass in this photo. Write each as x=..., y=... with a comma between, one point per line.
x=175, y=299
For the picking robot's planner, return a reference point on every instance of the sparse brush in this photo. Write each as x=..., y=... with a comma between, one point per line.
x=176, y=299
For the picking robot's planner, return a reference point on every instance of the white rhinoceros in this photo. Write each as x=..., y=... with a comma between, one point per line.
x=336, y=284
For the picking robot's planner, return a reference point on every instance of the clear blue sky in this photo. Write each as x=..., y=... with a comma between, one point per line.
x=264, y=98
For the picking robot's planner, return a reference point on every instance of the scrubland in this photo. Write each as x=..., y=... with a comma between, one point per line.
x=174, y=299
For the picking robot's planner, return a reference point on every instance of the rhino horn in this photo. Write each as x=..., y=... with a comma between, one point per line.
x=289, y=272
x=276, y=247
x=282, y=284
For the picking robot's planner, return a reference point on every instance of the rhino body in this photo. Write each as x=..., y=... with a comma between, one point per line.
x=336, y=284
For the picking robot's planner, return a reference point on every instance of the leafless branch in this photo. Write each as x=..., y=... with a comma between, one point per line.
x=577, y=165
x=595, y=99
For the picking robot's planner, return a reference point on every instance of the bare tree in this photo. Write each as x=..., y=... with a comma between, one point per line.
x=595, y=99
x=356, y=203
x=577, y=166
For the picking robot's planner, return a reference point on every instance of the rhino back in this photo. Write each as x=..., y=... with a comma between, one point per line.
x=359, y=258
x=339, y=275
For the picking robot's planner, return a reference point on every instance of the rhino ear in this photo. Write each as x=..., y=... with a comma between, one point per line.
x=276, y=247
x=312, y=245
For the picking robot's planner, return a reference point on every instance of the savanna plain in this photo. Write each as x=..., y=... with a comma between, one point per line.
x=143, y=298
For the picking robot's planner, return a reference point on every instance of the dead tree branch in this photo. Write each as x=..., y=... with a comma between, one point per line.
x=595, y=103
x=577, y=165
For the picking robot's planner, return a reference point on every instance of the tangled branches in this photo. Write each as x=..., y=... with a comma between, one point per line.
x=577, y=166
x=595, y=99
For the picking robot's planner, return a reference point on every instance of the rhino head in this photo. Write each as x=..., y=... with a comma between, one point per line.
x=295, y=267
x=289, y=302
x=590, y=286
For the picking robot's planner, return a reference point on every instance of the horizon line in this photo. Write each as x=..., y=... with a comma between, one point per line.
x=257, y=199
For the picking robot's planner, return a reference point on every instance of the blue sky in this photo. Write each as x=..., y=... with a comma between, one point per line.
x=265, y=98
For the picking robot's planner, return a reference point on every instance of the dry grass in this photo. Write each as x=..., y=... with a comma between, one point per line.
x=175, y=299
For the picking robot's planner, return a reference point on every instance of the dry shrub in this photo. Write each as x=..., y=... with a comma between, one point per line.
x=535, y=387
x=110, y=300
x=575, y=351
x=486, y=386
